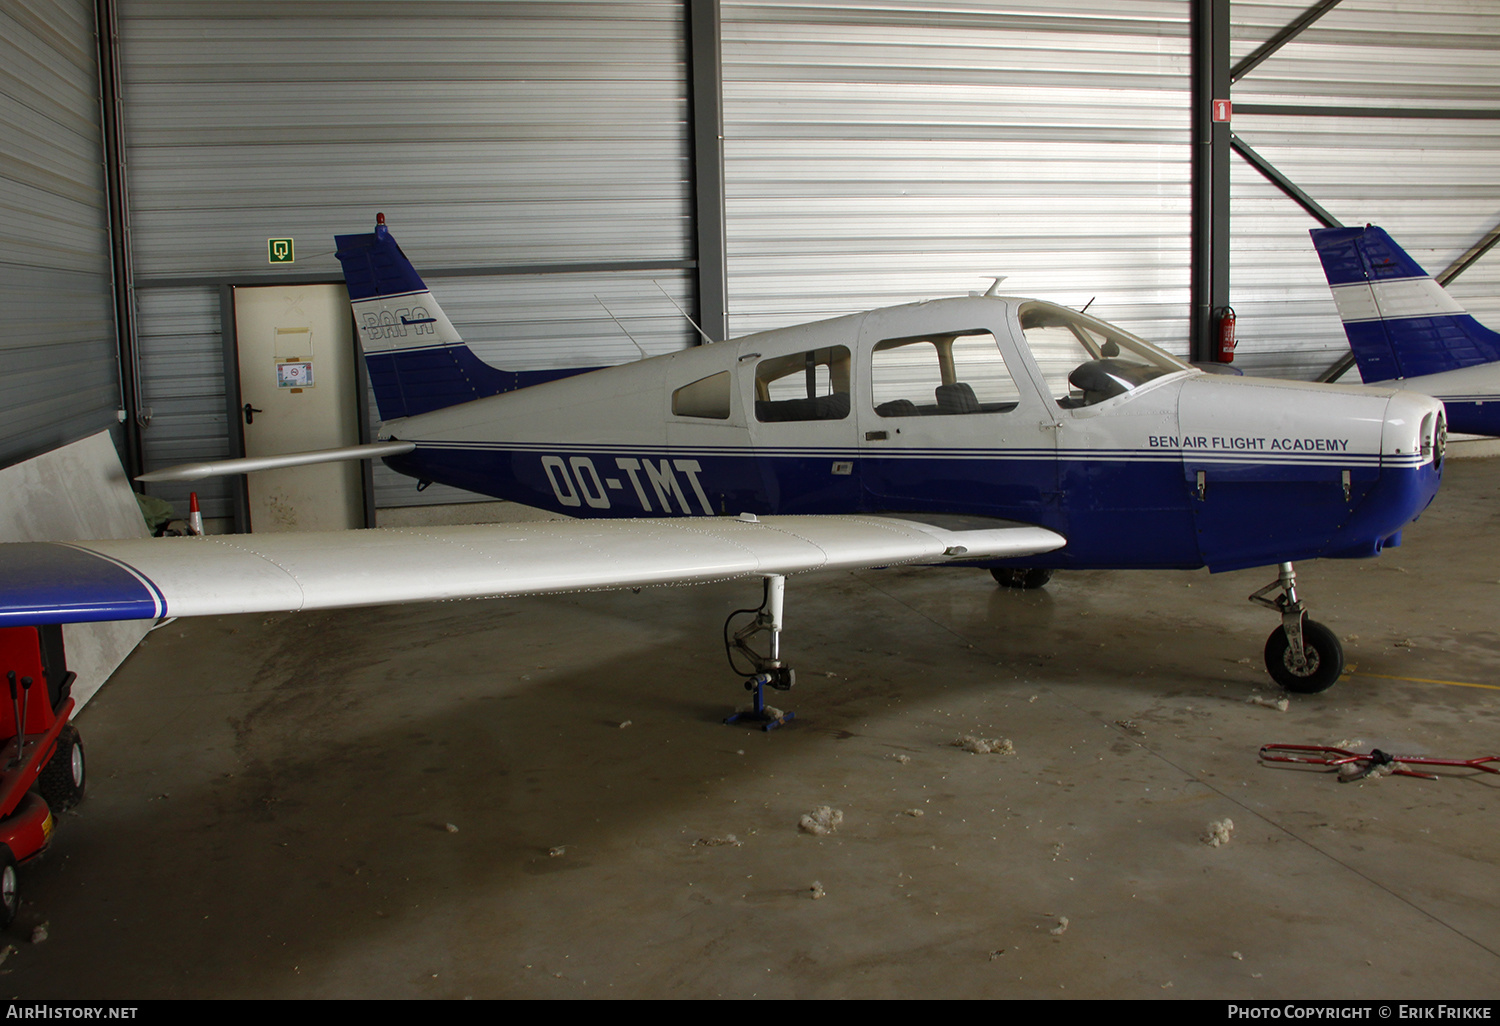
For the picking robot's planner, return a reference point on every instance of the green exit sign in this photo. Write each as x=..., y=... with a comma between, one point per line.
x=280, y=251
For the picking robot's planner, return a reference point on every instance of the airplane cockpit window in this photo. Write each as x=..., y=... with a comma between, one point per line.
x=707, y=397
x=813, y=385
x=939, y=375
x=1086, y=361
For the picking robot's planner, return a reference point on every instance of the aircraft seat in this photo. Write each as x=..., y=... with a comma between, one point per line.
x=823, y=407
x=957, y=398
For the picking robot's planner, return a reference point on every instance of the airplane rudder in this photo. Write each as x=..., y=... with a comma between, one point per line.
x=416, y=359
x=1400, y=322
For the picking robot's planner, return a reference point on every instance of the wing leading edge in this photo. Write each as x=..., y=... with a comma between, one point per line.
x=80, y=582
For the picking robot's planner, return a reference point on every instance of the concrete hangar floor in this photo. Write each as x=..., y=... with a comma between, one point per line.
x=537, y=798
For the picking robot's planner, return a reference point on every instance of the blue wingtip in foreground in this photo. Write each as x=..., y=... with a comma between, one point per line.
x=417, y=360
x=1405, y=329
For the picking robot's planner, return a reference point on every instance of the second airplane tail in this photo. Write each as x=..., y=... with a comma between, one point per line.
x=417, y=360
x=1399, y=320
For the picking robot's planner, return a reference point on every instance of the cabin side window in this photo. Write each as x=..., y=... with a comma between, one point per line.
x=707, y=397
x=941, y=375
x=811, y=385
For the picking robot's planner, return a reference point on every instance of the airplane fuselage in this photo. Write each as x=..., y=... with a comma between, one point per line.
x=1471, y=396
x=960, y=406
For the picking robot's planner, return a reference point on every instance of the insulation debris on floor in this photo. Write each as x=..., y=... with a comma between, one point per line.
x=719, y=842
x=1218, y=832
x=985, y=746
x=820, y=821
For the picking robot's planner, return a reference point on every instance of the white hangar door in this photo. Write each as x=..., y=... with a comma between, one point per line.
x=297, y=392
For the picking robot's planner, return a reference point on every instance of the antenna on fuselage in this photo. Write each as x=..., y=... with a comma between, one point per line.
x=619, y=325
x=994, y=287
x=683, y=312
x=1088, y=304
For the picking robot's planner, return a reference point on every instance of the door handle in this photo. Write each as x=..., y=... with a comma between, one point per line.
x=250, y=412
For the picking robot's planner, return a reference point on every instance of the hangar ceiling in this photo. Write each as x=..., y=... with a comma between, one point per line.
x=539, y=162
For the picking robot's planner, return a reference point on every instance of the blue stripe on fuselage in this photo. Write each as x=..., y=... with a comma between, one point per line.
x=1137, y=511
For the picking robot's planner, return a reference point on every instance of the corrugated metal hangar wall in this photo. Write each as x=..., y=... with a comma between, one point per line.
x=533, y=156
x=58, y=375
x=495, y=137
x=1383, y=112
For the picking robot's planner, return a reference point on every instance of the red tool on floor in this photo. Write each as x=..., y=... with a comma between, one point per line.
x=1327, y=755
x=41, y=755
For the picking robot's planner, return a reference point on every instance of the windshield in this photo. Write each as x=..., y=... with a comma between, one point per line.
x=1086, y=361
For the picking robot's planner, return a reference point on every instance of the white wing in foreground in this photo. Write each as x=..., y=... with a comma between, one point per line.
x=140, y=578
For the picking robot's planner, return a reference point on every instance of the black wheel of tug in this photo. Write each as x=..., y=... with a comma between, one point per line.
x=10, y=891
x=62, y=780
x=1325, y=659
x=1023, y=577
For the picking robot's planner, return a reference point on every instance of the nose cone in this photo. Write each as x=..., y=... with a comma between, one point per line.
x=1414, y=440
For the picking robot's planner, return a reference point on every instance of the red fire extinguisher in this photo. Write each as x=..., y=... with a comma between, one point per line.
x=1226, y=335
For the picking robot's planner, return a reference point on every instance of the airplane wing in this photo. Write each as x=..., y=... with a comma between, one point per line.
x=76, y=582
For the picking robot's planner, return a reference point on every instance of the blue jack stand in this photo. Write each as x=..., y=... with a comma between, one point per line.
x=758, y=713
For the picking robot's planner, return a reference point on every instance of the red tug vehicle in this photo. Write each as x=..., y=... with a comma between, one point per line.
x=41, y=755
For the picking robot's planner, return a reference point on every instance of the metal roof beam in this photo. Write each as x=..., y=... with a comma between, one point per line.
x=1281, y=38
x=1466, y=261
x=1283, y=183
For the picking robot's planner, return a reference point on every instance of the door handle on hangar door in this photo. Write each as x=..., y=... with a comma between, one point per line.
x=250, y=412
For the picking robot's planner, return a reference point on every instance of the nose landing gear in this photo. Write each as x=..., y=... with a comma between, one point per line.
x=1302, y=655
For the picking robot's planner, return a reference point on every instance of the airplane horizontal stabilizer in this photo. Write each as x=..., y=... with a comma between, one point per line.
x=248, y=464
x=78, y=582
x=1399, y=320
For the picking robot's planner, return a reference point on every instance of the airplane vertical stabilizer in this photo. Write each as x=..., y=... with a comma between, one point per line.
x=1400, y=322
x=417, y=360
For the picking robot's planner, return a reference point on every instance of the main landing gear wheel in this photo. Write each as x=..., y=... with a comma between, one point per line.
x=1023, y=577
x=1323, y=659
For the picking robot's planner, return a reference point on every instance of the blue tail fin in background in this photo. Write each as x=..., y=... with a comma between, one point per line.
x=417, y=360
x=1400, y=322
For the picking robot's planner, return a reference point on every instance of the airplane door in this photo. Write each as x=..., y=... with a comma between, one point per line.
x=297, y=381
x=949, y=419
x=802, y=424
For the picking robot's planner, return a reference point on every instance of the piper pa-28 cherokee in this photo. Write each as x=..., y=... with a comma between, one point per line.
x=1008, y=434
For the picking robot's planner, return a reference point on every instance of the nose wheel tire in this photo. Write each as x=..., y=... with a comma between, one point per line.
x=1324, y=657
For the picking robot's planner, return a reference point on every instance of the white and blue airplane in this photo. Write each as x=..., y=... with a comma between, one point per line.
x=1406, y=331
x=1009, y=434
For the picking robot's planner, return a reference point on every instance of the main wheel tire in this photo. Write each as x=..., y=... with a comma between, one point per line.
x=1325, y=659
x=1023, y=577
x=10, y=890
x=62, y=780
